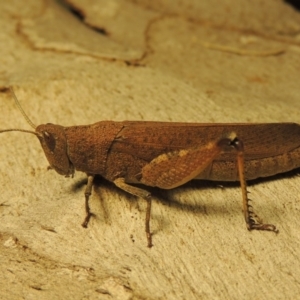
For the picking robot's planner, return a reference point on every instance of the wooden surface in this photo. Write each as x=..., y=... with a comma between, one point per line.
x=185, y=62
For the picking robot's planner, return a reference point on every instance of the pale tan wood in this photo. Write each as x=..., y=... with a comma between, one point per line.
x=202, y=249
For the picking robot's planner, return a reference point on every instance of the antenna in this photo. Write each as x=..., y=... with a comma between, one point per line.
x=24, y=115
x=21, y=109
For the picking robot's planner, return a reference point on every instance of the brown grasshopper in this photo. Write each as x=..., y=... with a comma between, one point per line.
x=167, y=155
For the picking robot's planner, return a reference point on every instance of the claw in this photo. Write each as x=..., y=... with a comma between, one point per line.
x=266, y=227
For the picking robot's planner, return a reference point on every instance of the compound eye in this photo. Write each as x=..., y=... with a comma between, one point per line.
x=49, y=140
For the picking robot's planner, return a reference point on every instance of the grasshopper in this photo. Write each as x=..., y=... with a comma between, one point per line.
x=167, y=155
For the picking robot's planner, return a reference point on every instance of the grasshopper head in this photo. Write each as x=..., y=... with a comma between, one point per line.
x=54, y=143
x=53, y=140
